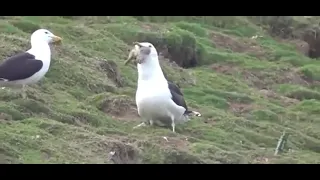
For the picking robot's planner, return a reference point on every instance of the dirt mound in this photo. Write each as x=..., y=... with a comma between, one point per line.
x=120, y=107
x=311, y=37
x=307, y=41
x=301, y=46
x=121, y=153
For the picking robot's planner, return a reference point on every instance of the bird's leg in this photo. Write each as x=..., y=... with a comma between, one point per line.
x=173, y=127
x=142, y=124
x=151, y=122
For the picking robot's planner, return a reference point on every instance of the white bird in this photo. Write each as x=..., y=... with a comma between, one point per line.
x=30, y=66
x=159, y=102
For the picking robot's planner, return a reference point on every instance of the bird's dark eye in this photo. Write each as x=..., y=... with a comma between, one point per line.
x=46, y=32
x=150, y=46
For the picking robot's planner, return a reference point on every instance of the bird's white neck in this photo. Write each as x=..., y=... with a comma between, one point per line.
x=41, y=50
x=150, y=69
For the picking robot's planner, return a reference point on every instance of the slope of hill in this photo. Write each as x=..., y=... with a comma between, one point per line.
x=248, y=86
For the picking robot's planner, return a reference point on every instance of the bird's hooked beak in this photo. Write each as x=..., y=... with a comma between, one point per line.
x=56, y=39
x=138, y=53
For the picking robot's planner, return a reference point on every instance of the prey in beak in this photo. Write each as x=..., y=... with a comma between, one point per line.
x=139, y=53
x=56, y=39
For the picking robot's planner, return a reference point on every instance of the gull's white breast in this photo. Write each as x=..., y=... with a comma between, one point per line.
x=152, y=98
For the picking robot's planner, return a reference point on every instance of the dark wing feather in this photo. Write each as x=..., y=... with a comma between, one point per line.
x=177, y=95
x=20, y=66
x=174, y=87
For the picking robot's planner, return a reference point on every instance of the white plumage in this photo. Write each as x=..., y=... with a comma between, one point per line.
x=30, y=66
x=159, y=102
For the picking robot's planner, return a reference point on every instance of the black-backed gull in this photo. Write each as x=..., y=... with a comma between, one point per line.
x=159, y=101
x=28, y=67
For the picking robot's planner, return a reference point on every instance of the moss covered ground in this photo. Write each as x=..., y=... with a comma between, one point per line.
x=248, y=86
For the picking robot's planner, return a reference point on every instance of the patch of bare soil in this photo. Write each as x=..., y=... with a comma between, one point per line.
x=174, y=142
x=293, y=77
x=120, y=107
x=272, y=95
x=224, y=69
x=150, y=27
x=264, y=80
x=250, y=77
x=240, y=108
x=248, y=46
x=112, y=72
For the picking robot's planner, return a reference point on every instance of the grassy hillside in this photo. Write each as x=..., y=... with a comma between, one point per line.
x=249, y=90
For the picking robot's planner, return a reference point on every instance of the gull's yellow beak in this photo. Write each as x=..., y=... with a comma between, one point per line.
x=56, y=39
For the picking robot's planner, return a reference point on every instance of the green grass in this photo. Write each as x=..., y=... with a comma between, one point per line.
x=79, y=114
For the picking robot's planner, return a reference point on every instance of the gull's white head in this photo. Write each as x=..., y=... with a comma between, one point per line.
x=146, y=55
x=44, y=36
x=142, y=52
